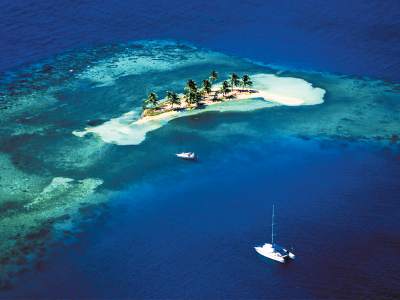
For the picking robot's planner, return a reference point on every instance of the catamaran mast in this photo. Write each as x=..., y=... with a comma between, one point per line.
x=272, y=227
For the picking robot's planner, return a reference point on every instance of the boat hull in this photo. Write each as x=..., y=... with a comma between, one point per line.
x=187, y=156
x=269, y=251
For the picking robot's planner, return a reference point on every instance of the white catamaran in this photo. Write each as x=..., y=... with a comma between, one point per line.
x=274, y=251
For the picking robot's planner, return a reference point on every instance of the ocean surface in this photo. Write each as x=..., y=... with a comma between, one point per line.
x=354, y=37
x=113, y=214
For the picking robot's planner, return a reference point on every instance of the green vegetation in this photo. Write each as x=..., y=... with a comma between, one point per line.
x=151, y=112
x=234, y=79
x=193, y=95
x=206, y=86
x=246, y=82
x=213, y=76
x=225, y=87
x=173, y=98
x=151, y=99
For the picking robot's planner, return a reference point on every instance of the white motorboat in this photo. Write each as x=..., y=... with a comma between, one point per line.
x=187, y=155
x=273, y=250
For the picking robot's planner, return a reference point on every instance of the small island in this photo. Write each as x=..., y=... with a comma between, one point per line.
x=195, y=97
x=272, y=90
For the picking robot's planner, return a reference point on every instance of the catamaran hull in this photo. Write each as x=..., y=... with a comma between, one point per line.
x=268, y=251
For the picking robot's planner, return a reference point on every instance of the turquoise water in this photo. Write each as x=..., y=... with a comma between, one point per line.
x=189, y=229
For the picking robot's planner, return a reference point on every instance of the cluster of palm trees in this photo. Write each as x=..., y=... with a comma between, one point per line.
x=193, y=94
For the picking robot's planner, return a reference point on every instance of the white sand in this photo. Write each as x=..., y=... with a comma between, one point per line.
x=129, y=130
x=288, y=91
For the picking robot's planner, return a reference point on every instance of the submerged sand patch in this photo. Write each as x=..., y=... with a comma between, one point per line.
x=31, y=206
x=153, y=56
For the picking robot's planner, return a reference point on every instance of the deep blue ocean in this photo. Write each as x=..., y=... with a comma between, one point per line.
x=187, y=230
x=353, y=37
x=336, y=205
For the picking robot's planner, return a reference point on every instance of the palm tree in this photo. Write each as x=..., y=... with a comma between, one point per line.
x=246, y=82
x=191, y=85
x=197, y=98
x=191, y=97
x=213, y=76
x=190, y=91
x=173, y=98
x=206, y=86
x=151, y=99
x=225, y=87
x=215, y=97
x=234, y=79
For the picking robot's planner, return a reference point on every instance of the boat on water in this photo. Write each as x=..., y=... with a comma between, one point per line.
x=187, y=155
x=272, y=250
